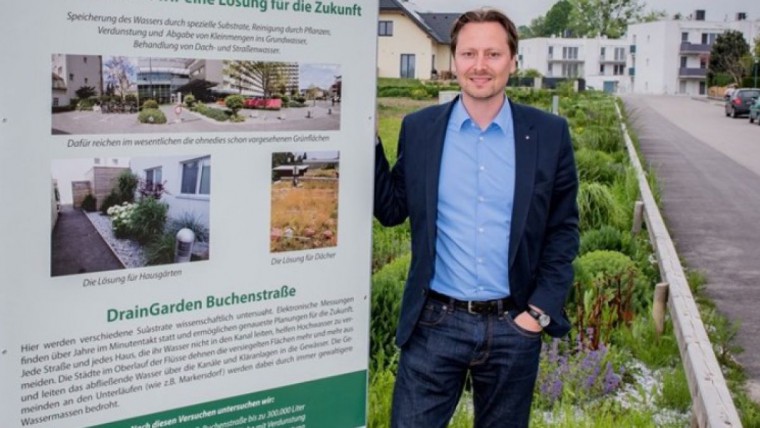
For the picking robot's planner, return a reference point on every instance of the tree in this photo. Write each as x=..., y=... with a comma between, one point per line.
x=119, y=72
x=728, y=56
x=234, y=103
x=610, y=18
x=557, y=19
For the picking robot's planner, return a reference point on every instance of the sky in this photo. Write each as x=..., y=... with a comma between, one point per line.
x=523, y=11
x=319, y=75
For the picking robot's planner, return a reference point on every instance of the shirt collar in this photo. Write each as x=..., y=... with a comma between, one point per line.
x=460, y=118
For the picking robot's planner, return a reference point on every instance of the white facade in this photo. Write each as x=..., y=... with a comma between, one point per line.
x=600, y=61
x=671, y=57
x=71, y=72
x=186, y=180
x=405, y=51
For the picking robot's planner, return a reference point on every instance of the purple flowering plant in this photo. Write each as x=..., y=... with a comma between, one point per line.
x=570, y=371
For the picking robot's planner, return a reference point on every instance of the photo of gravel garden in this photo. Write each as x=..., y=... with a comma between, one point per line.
x=304, y=200
x=116, y=213
x=614, y=369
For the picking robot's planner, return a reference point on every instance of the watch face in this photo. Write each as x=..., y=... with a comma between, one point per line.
x=543, y=320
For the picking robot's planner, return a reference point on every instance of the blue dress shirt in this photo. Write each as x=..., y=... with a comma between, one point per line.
x=475, y=198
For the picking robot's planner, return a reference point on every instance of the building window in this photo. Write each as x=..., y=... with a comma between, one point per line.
x=550, y=69
x=702, y=88
x=683, y=62
x=619, y=54
x=196, y=177
x=704, y=38
x=84, y=58
x=153, y=179
x=570, y=70
x=55, y=102
x=569, y=52
x=385, y=28
x=407, y=66
x=86, y=80
x=684, y=37
x=601, y=54
x=619, y=69
x=551, y=52
x=71, y=77
x=97, y=161
x=601, y=69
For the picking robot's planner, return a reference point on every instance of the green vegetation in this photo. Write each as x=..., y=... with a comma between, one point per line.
x=596, y=376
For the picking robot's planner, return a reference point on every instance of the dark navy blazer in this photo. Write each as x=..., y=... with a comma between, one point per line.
x=544, y=232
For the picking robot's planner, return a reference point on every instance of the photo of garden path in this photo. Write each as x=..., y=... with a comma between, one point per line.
x=304, y=201
x=77, y=247
x=116, y=213
x=614, y=369
x=118, y=94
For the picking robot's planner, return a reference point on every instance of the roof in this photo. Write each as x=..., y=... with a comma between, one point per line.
x=436, y=25
x=440, y=25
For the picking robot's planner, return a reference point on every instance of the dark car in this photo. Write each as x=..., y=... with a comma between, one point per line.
x=740, y=100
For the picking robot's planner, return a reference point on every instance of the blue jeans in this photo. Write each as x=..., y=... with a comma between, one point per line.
x=447, y=343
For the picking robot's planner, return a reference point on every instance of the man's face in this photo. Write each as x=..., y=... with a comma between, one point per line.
x=483, y=61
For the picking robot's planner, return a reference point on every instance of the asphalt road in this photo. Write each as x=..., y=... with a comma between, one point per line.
x=708, y=168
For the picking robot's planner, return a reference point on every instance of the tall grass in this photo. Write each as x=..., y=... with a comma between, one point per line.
x=304, y=217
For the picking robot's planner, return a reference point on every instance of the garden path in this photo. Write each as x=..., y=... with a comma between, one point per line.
x=76, y=247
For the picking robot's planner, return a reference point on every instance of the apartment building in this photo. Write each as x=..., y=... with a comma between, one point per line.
x=671, y=57
x=601, y=62
x=71, y=72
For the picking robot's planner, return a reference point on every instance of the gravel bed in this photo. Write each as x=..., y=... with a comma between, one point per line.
x=128, y=251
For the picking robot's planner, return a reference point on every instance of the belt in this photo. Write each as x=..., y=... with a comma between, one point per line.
x=482, y=307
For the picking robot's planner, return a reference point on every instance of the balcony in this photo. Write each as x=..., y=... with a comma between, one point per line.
x=605, y=60
x=692, y=73
x=691, y=48
x=565, y=60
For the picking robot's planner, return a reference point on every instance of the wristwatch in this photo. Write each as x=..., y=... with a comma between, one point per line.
x=543, y=319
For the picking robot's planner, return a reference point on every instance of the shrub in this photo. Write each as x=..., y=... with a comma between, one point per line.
x=148, y=220
x=86, y=104
x=285, y=100
x=418, y=94
x=153, y=116
x=89, y=203
x=234, y=103
x=150, y=105
x=387, y=289
x=604, y=238
x=130, y=98
x=213, y=113
x=121, y=219
x=601, y=263
x=127, y=184
x=189, y=100
x=111, y=200
x=85, y=92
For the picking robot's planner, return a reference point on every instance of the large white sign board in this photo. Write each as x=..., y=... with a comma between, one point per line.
x=187, y=208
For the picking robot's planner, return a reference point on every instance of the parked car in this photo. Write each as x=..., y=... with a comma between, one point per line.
x=740, y=100
x=754, y=111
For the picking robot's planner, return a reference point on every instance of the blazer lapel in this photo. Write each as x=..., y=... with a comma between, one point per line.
x=526, y=156
x=435, y=134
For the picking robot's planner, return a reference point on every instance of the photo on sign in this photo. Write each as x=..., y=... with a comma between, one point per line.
x=304, y=200
x=102, y=94
x=110, y=213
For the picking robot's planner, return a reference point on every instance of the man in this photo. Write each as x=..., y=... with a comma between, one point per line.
x=489, y=187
